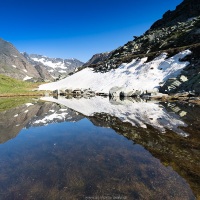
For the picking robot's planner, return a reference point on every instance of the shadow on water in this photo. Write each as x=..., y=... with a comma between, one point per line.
x=59, y=154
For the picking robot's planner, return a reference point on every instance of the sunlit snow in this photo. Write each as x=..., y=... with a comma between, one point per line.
x=136, y=75
x=27, y=78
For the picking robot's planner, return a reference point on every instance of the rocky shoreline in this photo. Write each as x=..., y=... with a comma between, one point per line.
x=177, y=98
x=186, y=97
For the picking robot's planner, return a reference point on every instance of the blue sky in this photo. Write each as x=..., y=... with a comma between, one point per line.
x=77, y=28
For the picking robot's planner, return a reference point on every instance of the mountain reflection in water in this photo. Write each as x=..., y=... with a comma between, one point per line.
x=138, y=113
x=60, y=154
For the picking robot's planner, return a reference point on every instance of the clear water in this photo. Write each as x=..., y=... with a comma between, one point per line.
x=49, y=151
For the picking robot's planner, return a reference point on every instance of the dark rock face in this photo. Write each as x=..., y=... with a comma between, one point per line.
x=44, y=74
x=187, y=9
x=58, y=68
x=100, y=57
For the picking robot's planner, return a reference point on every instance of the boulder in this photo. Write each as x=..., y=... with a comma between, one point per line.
x=116, y=91
x=68, y=91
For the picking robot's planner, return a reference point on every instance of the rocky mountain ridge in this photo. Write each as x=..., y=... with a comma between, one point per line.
x=178, y=30
x=99, y=57
x=33, y=67
x=57, y=67
x=186, y=10
x=14, y=64
x=154, y=41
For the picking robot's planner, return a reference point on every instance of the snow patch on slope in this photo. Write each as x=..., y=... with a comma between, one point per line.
x=27, y=78
x=137, y=75
x=49, y=63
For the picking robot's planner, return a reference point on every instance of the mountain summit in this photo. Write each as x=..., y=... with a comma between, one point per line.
x=186, y=10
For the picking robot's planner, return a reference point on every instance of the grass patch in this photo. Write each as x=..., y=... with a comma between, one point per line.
x=8, y=103
x=13, y=87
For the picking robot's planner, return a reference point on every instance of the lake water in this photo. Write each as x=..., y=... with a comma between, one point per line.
x=100, y=149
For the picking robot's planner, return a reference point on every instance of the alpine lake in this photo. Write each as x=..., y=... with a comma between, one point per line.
x=99, y=149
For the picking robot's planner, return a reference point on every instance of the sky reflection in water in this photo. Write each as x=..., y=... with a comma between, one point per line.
x=69, y=157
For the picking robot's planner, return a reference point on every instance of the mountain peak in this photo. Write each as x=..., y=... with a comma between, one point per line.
x=187, y=9
x=14, y=64
x=57, y=67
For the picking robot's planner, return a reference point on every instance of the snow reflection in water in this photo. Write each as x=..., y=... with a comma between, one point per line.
x=139, y=114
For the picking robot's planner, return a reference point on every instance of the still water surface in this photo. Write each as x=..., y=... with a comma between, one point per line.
x=103, y=150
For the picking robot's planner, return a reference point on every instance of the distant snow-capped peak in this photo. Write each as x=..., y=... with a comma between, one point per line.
x=56, y=62
x=50, y=62
x=57, y=67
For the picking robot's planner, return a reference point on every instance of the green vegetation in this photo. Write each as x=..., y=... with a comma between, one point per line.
x=12, y=87
x=8, y=103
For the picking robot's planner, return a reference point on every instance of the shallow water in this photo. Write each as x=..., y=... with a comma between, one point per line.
x=103, y=150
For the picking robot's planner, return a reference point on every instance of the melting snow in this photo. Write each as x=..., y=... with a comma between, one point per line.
x=137, y=75
x=28, y=104
x=62, y=71
x=14, y=66
x=27, y=78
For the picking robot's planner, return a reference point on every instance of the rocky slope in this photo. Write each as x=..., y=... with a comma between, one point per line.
x=99, y=57
x=14, y=64
x=186, y=10
x=57, y=67
x=127, y=80
x=178, y=30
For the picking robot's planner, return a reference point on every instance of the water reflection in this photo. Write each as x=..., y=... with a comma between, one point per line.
x=139, y=114
x=62, y=155
x=12, y=121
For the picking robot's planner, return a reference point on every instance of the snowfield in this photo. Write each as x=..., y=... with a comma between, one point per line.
x=136, y=75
